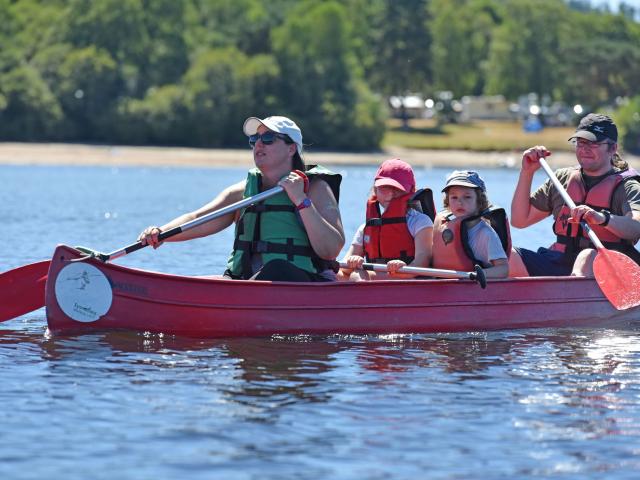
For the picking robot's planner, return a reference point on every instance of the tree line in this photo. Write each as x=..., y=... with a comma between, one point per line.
x=188, y=72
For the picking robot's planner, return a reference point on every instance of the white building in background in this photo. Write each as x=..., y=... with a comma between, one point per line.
x=413, y=104
x=483, y=107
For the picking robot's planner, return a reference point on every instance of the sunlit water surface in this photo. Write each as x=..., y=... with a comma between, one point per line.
x=505, y=405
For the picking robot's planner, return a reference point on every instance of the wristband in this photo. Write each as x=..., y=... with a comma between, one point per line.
x=607, y=217
x=306, y=203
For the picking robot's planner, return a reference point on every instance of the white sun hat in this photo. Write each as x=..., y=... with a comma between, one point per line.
x=275, y=124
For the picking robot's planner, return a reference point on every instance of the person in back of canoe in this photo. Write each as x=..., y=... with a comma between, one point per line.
x=294, y=235
x=464, y=234
x=607, y=196
x=396, y=232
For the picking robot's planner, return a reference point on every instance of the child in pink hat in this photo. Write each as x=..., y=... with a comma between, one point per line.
x=396, y=231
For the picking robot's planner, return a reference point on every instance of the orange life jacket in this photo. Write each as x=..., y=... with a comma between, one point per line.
x=571, y=237
x=386, y=236
x=451, y=249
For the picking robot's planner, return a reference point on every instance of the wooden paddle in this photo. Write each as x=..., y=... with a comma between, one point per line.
x=477, y=275
x=22, y=289
x=617, y=275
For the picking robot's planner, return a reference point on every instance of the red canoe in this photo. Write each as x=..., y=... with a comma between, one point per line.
x=92, y=295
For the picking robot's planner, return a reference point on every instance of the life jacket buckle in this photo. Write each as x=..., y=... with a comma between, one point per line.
x=259, y=246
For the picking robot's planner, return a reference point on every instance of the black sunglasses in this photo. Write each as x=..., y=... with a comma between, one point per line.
x=268, y=138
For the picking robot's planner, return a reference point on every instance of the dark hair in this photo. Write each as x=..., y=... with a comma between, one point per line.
x=617, y=160
x=298, y=162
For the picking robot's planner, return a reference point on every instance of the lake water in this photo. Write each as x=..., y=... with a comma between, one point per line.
x=505, y=405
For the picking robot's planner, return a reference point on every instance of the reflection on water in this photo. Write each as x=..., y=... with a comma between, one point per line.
x=538, y=402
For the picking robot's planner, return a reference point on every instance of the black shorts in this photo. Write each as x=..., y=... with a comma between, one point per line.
x=283, y=271
x=546, y=262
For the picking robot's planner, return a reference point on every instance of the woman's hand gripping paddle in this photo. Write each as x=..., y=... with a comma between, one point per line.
x=617, y=275
x=22, y=289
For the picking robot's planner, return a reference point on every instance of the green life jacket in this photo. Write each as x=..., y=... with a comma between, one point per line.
x=273, y=228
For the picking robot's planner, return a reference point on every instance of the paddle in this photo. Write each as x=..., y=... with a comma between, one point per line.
x=105, y=257
x=617, y=275
x=22, y=289
x=477, y=275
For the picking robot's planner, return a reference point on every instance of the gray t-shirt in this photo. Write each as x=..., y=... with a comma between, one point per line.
x=546, y=198
x=485, y=243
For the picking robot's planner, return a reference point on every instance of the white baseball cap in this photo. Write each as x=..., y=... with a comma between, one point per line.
x=275, y=124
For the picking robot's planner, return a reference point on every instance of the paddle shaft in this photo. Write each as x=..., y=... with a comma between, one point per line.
x=476, y=276
x=568, y=200
x=433, y=272
x=195, y=223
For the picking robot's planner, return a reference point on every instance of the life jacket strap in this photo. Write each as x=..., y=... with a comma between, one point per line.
x=260, y=246
x=403, y=256
x=377, y=222
x=583, y=242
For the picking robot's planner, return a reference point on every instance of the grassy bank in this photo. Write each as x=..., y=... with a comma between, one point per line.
x=481, y=136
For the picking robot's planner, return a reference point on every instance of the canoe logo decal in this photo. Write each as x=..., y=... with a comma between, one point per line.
x=447, y=236
x=83, y=292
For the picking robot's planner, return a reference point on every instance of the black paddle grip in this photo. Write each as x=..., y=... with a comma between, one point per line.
x=479, y=276
x=161, y=236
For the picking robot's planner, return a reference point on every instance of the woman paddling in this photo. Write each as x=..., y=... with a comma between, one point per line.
x=295, y=235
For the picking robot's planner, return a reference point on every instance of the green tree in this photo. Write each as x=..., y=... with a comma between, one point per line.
x=524, y=54
x=601, y=59
x=146, y=38
x=243, y=24
x=397, y=59
x=36, y=24
x=319, y=79
x=9, y=53
x=225, y=86
x=167, y=56
x=87, y=88
x=28, y=109
x=116, y=26
x=160, y=118
x=628, y=120
x=462, y=32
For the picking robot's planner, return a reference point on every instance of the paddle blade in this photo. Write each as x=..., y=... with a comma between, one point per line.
x=22, y=289
x=618, y=277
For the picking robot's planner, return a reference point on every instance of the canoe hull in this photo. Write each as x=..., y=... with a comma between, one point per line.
x=91, y=295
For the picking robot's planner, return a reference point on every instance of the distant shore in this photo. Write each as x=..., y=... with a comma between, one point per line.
x=104, y=155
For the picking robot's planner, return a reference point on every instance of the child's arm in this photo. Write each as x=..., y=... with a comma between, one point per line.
x=495, y=254
x=499, y=269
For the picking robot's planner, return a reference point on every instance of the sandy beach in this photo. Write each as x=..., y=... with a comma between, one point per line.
x=105, y=155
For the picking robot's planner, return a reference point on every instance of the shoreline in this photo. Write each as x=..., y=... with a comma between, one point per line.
x=52, y=154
